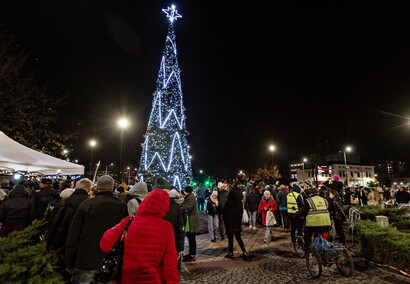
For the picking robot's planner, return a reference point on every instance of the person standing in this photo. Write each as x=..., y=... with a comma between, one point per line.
x=212, y=211
x=16, y=212
x=281, y=202
x=337, y=214
x=222, y=197
x=136, y=195
x=92, y=218
x=252, y=202
x=42, y=197
x=200, y=196
x=232, y=214
x=150, y=255
x=193, y=220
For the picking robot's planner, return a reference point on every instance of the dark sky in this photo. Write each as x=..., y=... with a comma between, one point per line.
x=296, y=75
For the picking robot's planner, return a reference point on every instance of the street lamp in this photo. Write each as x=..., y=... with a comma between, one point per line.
x=122, y=123
x=347, y=149
x=303, y=169
x=129, y=172
x=93, y=143
x=272, y=149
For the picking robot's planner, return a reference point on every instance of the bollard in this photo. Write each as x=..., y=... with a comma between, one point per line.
x=383, y=221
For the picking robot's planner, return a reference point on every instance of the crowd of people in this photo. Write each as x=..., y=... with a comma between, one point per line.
x=83, y=220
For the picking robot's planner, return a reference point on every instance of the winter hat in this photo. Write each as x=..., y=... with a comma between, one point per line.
x=66, y=193
x=105, y=182
x=188, y=189
x=140, y=190
x=162, y=183
x=336, y=178
x=120, y=189
x=46, y=181
x=173, y=193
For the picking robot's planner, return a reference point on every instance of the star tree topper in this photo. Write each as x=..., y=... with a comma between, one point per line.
x=172, y=13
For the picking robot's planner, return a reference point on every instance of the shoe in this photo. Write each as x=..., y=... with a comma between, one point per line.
x=246, y=257
x=189, y=258
x=255, y=228
x=222, y=238
x=265, y=241
x=250, y=227
x=213, y=240
x=229, y=255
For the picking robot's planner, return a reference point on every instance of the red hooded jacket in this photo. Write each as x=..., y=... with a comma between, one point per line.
x=150, y=255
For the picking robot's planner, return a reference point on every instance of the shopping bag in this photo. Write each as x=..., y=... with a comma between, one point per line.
x=245, y=217
x=270, y=219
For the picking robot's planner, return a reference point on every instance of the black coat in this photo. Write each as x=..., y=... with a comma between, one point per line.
x=92, y=218
x=18, y=209
x=252, y=202
x=233, y=211
x=41, y=198
x=175, y=217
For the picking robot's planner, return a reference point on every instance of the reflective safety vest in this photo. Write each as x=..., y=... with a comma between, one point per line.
x=318, y=215
x=292, y=203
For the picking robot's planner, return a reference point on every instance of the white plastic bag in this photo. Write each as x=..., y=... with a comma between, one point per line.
x=270, y=219
x=245, y=217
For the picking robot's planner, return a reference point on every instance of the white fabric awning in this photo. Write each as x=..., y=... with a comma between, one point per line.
x=17, y=157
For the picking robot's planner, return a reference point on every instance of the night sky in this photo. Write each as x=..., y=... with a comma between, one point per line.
x=295, y=75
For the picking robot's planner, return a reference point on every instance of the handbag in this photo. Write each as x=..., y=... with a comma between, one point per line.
x=110, y=266
x=270, y=219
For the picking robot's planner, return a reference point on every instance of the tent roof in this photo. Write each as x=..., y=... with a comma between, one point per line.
x=17, y=157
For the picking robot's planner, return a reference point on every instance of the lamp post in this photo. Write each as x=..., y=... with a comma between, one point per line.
x=272, y=149
x=303, y=169
x=347, y=149
x=106, y=168
x=93, y=143
x=122, y=123
x=129, y=174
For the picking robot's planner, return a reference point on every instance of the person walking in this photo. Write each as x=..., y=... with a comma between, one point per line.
x=267, y=204
x=212, y=211
x=192, y=220
x=91, y=219
x=232, y=214
x=252, y=202
x=150, y=255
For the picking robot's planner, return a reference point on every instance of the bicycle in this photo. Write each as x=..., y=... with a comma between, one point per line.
x=323, y=252
x=299, y=246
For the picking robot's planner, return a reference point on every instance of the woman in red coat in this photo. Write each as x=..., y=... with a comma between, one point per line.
x=267, y=204
x=150, y=255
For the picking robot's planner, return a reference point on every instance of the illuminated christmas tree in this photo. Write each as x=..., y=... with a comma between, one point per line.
x=165, y=149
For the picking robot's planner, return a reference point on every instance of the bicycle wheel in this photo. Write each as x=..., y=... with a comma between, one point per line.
x=344, y=263
x=299, y=245
x=313, y=263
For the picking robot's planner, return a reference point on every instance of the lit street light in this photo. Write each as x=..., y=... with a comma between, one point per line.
x=272, y=149
x=122, y=123
x=93, y=143
x=347, y=149
x=303, y=169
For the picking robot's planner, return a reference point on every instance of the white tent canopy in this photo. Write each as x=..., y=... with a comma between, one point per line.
x=14, y=156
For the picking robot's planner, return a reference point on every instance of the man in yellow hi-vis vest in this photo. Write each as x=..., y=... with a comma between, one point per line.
x=317, y=215
x=294, y=203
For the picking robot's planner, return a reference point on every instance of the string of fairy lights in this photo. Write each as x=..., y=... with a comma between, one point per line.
x=165, y=149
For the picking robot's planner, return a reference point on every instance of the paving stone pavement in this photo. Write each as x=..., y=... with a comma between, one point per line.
x=274, y=262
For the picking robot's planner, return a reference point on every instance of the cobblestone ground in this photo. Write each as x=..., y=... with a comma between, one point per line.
x=271, y=263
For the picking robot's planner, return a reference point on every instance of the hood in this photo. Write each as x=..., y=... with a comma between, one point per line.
x=140, y=190
x=157, y=203
x=19, y=191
